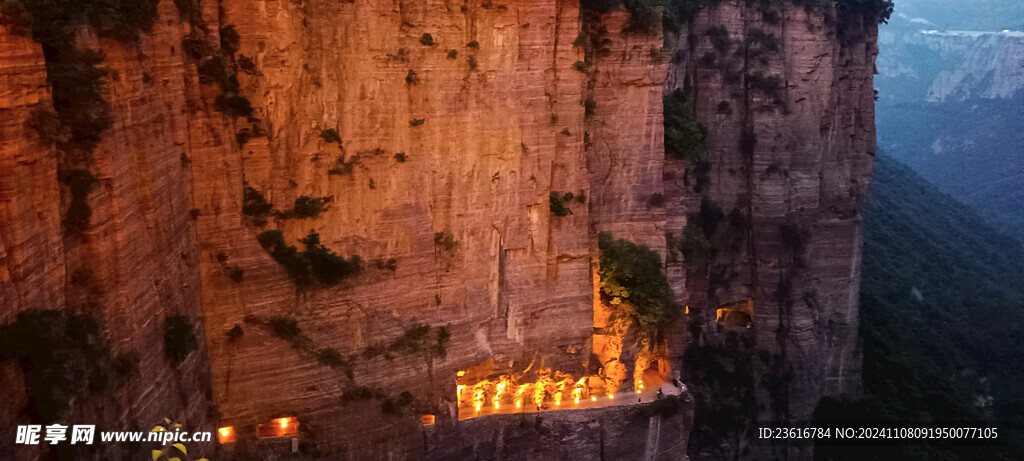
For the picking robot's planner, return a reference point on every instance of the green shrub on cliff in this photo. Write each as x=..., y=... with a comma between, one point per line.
x=695, y=246
x=684, y=135
x=558, y=203
x=254, y=203
x=316, y=261
x=80, y=184
x=179, y=337
x=233, y=104
x=327, y=266
x=305, y=207
x=633, y=283
x=285, y=328
x=62, y=357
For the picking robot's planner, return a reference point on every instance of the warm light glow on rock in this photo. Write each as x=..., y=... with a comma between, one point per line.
x=226, y=434
x=279, y=427
x=547, y=392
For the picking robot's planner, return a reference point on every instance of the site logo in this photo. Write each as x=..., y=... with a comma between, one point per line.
x=172, y=442
x=55, y=433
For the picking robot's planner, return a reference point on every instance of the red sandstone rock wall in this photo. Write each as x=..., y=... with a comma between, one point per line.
x=135, y=264
x=495, y=141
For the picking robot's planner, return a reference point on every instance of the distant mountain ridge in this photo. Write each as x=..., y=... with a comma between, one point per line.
x=951, y=93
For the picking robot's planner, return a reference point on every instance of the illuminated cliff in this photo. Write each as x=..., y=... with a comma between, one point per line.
x=469, y=154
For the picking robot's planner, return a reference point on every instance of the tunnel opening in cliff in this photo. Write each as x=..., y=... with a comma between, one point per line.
x=736, y=315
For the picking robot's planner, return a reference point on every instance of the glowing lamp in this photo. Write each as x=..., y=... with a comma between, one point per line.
x=593, y=399
x=226, y=434
x=611, y=396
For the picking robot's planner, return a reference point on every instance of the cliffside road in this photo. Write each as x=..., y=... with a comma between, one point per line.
x=625, y=398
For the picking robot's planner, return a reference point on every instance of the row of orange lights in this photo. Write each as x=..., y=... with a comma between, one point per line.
x=279, y=427
x=539, y=394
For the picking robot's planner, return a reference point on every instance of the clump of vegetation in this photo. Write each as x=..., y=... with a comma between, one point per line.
x=332, y=358
x=341, y=167
x=589, y=106
x=581, y=66
x=76, y=80
x=62, y=357
x=330, y=135
x=46, y=124
x=80, y=183
x=328, y=267
x=719, y=37
x=235, y=333
x=768, y=84
x=294, y=263
x=316, y=261
x=474, y=45
x=306, y=207
x=411, y=78
x=179, y=338
x=558, y=203
x=230, y=41
x=445, y=241
x=633, y=283
x=359, y=393
x=235, y=273
x=426, y=40
x=684, y=135
x=234, y=105
x=243, y=136
x=255, y=204
x=195, y=46
x=695, y=246
x=394, y=406
x=645, y=16
x=246, y=64
x=759, y=42
x=400, y=157
x=285, y=328
x=722, y=377
x=453, y=54
x=418, y=339
x=416, y=122
x=212, y=70
x=390, y=264
x=472, y=62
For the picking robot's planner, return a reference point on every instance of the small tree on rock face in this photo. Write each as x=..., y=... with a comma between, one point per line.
x=684, y=136
x=632, y=282
x=328, y=267
x=179, y=338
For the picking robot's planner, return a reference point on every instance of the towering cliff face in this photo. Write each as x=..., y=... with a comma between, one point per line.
x=134, y=265
x=788, y=106
x=432, y=138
